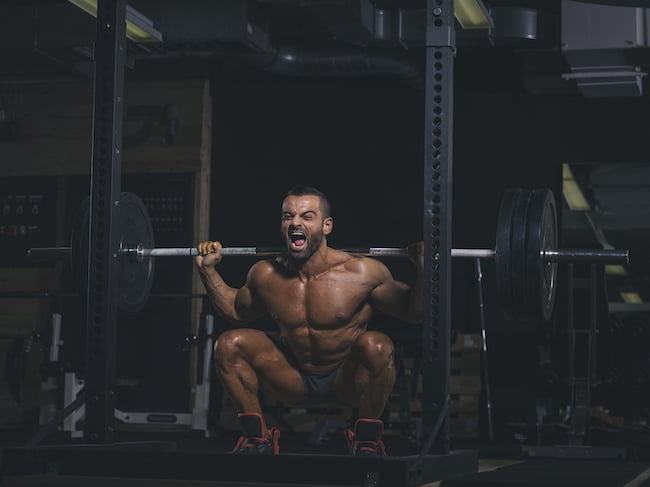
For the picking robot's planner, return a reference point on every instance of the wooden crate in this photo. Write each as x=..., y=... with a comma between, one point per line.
x=22, y=316
x=463, y=425
x=13, y=413
x=464, y=389
x=465, y=384
x=467, y=342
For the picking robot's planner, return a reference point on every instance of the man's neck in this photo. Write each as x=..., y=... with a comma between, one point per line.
x=315, y=264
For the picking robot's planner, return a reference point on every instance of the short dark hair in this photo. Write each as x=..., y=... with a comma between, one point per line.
x=303, y=190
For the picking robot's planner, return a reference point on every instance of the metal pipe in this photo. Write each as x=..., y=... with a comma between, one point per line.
x=49, y=252
x=612, y=256
x=484, y=349
x=257, y=251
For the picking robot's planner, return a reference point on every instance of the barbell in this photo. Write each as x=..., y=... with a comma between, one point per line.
x=526, y=252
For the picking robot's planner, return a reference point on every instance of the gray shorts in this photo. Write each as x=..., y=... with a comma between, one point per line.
x=318, y=385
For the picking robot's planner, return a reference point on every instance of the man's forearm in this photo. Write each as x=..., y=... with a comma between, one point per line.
x=220, y=294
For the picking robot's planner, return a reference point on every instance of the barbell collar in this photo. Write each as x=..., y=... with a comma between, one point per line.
x=473, y=253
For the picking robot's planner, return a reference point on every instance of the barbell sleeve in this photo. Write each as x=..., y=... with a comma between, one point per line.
x=49, y=252
x=608, y=256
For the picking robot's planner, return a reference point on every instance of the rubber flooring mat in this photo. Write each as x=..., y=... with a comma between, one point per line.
x=556, y=473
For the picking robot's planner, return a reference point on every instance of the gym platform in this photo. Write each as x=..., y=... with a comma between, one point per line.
x=172, y=463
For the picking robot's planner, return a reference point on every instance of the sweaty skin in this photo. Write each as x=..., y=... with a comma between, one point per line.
x=322, y=301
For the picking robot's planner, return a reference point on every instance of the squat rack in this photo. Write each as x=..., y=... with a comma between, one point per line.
x=110, y=55
x=435, y=460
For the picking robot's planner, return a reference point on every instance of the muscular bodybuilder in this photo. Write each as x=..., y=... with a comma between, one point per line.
x=322, y=300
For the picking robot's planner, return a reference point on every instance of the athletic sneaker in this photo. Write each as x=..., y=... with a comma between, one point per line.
x=365, y=440
x=256, y=438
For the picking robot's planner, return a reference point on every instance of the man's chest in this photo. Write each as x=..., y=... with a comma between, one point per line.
x=325, y=301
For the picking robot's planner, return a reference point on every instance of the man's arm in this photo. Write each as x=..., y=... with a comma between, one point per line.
x=398, y=299
x=238, y=306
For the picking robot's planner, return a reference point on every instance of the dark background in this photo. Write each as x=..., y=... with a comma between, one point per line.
x=360, y=139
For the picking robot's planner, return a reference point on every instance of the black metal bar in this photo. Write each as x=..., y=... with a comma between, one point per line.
x=106, y=172
x=56, y=420
x=594, y=283
x=571, y=331
x=484, y=349
x=49, y=252
x=435, y=363
x=608, y=256
x=433, y=436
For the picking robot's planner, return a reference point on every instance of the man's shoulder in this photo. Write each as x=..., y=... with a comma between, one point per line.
x=362, y=264
x=267, y=267
x=263, y=266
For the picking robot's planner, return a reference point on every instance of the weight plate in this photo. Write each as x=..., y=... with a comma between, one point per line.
x=503, y=250
x=541, y=235
x=135, y=275
x=518, y=255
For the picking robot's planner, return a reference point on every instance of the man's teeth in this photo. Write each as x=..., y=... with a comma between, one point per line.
x=297, y=239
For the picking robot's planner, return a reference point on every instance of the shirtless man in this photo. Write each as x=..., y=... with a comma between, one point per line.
x=321, y=300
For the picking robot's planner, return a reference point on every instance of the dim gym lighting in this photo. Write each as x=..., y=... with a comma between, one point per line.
x=138, y=27
x=631, y=297
x=572, y=193
x=472, y=14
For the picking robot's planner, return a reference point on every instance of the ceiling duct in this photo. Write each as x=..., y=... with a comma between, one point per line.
x=513, y=24
x=605, y=47
x=294, y=61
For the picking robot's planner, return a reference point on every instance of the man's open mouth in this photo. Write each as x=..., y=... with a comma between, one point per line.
x=298, y=240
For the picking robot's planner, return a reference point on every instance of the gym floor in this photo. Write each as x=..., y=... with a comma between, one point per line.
x=498, y=465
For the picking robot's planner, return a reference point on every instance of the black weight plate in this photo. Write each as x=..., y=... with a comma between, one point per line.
x=503, y=252
x=541, y=274
x=518, y=255
x=135, y=275
x=79, y=243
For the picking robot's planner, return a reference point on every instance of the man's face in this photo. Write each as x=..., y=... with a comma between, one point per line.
x=303, y=226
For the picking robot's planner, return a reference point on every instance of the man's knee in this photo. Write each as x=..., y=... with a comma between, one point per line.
x=230, y=345
x=376, y=348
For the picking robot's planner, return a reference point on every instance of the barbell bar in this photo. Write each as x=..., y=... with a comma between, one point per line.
x=526, y=252
x=609, y=256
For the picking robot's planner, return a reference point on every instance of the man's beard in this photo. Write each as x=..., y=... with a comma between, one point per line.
x=314, y=243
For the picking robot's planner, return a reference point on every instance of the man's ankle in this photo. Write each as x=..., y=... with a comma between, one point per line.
x=256, y=438
x=365, y=438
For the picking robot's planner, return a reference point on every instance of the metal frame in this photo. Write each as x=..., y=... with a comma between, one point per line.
x=440, y=52
x=105, y=191
x=580, y=381
x=105, y=179
x=136, y=461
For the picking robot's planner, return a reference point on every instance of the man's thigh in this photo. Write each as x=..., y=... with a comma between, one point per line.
x=277, y=375
x=353, y=375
